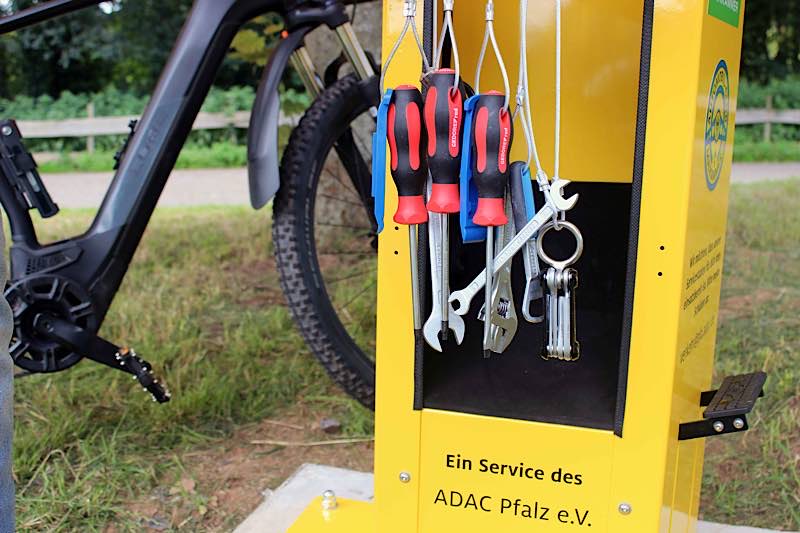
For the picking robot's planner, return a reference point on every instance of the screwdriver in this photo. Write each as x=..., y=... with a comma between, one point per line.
x=444, y=121
x=491, y=143
x=406, y=138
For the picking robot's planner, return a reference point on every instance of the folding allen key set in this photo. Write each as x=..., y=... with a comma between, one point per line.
x=563, y=171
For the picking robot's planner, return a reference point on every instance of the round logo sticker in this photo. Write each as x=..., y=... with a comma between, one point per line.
x=717, y=120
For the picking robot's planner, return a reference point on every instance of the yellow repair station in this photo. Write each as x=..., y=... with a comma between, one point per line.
x=611, y=441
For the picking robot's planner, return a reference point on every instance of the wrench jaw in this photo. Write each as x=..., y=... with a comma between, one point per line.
x=504, y=322
x=433, y=325
x=533, y=294
x=436, y=324
x=463, y=298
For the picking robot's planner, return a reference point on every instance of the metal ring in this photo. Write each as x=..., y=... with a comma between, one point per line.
x=560, y=265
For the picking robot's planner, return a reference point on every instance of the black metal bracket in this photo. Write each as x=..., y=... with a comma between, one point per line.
x=19, y=168
x=726, y=408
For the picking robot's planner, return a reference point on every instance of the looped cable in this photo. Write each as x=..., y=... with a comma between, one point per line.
x=447, y=29
x=557, y=140
x=410, y=13
x=523, y=99
x=488, y=35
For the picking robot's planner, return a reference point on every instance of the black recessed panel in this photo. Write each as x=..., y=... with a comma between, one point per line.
x=519, y=384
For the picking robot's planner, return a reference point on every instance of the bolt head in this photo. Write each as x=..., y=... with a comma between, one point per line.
x=329, y=502
x=625, y=508
x=405, y=477
x=738, y=423
x=718, y=426
x=7, y=130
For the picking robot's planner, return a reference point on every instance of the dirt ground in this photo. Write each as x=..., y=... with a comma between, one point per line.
x=216, y=488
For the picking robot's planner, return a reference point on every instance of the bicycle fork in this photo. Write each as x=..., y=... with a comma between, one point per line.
x=353, y=51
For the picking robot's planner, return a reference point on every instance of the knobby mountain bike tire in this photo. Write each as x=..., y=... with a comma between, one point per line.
x=325, y=238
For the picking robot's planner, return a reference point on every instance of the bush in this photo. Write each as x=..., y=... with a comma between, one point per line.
x=113, y=102
x=785, y=95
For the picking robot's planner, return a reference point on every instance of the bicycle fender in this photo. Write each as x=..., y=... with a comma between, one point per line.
x=379, y=159
x=263, y=158
x=470, y=232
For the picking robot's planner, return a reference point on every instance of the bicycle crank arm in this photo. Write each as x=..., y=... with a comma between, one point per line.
x=463, y=298
x=97, y=349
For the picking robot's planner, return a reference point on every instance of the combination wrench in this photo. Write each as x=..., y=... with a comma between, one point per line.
x=551, y=209
x=533, y=287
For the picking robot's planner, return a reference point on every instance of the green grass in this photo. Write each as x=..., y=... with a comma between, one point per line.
x=230, y=155
x=201, y=301
x=754, y=478
x=219, y=155
x=777, y=151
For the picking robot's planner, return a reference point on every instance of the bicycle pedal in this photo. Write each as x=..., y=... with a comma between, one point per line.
x=93, y=347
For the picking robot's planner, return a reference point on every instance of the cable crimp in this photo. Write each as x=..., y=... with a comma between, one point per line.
x=448, y=5
x=490, y=11
x=520, y=100
x=410, y=9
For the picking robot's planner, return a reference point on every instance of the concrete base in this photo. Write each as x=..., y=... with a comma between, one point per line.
x=282, y=507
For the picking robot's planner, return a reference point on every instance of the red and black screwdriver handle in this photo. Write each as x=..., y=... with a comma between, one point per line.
x=444, y=122
x=492, y=135
x=407, y=138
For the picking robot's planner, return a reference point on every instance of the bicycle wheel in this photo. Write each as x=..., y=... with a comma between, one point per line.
x=325, y=238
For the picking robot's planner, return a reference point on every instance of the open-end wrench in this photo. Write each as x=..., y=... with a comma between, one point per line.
x=558, y=202
x=533, y=287
x=433, y=325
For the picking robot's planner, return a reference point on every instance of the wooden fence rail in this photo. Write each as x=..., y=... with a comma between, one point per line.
x=97, y=126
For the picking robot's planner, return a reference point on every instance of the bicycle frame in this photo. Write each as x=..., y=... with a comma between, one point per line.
x=99, y=259
x=60, y=293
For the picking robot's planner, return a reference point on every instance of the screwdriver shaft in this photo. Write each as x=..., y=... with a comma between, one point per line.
x=487, y=320
x=415, y=296
x=444, y=277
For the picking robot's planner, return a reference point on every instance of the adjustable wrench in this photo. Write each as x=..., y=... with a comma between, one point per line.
x=433, y=325
x=504, y=320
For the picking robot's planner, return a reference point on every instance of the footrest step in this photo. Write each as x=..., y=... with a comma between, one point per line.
x=736, y=396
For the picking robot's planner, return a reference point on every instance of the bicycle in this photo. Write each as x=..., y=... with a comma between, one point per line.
x=324, y=230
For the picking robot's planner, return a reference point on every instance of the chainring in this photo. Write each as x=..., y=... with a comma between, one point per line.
x=53, y=295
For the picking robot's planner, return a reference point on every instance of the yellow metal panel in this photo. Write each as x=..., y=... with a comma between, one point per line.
x=712, y=159
x=600, y=79
x=349, y=517
x=484, y=474
x=396, y=424
x=679, y=217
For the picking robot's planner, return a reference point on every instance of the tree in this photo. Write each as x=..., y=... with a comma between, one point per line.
x=771, y=47
x=72, y=53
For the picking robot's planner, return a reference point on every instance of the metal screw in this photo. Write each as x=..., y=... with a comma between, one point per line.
x=7, y=131
x=625, y=508
x=738, y=423
x=329, y=502
x=718, y=426
x=405, y=477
